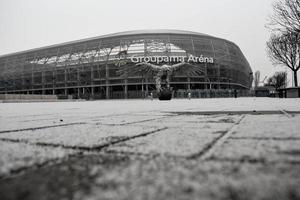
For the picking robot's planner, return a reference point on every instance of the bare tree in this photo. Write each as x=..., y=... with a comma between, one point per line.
x=284, y=49
x=286, y=17
x=278, y=80
x=256, y=79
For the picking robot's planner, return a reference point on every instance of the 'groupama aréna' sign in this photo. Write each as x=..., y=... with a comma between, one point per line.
x=168, y=59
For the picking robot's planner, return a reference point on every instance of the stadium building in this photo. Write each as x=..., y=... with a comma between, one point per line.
x=89, y=68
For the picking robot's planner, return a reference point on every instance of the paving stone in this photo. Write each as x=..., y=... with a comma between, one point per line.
x=7, y=125
x=214, y=123
x=104, y=176
x=257, y=149
x=186, y=135
x=126, y=119
x=172, y=141
x=85, y=135
x=268, y=126
x=15, y=156
x=260, y=160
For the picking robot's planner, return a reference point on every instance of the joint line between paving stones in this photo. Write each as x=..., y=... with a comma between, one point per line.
x=98, y=148
x=118, y=115
x=254, y=161
x=135, y=122
x=266, y=138
x=41, y=127
x=210, y=148
x=95, y=148
x=15, y=172
x=286, y=113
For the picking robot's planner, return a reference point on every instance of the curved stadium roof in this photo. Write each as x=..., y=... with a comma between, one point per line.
x=118, y=34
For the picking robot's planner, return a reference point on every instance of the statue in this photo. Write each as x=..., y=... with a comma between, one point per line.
x=161, y=74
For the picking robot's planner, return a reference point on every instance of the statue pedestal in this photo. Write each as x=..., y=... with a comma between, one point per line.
x=165, y=94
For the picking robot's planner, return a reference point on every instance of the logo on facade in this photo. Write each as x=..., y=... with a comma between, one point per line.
x=121, y=58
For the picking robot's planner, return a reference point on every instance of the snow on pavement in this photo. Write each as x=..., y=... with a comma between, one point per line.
x=193, y=141
x=89, y=136
x=15, y=156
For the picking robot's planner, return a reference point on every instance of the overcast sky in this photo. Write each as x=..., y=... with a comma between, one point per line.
x=27, y=24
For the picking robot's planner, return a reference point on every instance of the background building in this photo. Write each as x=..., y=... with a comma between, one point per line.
x=88, y=68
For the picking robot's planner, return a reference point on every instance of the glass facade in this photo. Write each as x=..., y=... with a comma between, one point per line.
x=89, y=68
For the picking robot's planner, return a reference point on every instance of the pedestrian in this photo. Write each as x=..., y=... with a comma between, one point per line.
x=189, y=95
x=235, y=93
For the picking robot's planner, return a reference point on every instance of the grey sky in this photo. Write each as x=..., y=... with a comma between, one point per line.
x=26, y=24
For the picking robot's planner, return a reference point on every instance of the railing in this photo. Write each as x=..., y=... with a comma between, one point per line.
x=211, y=93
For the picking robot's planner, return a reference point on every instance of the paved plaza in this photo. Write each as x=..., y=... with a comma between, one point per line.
x=244, y=148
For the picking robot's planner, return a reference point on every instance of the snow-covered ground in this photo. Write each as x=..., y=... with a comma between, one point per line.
x=206, y=131
x=96, y=124
x=89, y=109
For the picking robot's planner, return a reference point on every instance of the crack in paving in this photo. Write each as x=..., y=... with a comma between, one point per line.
x=211, y=147
x=42, y=127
